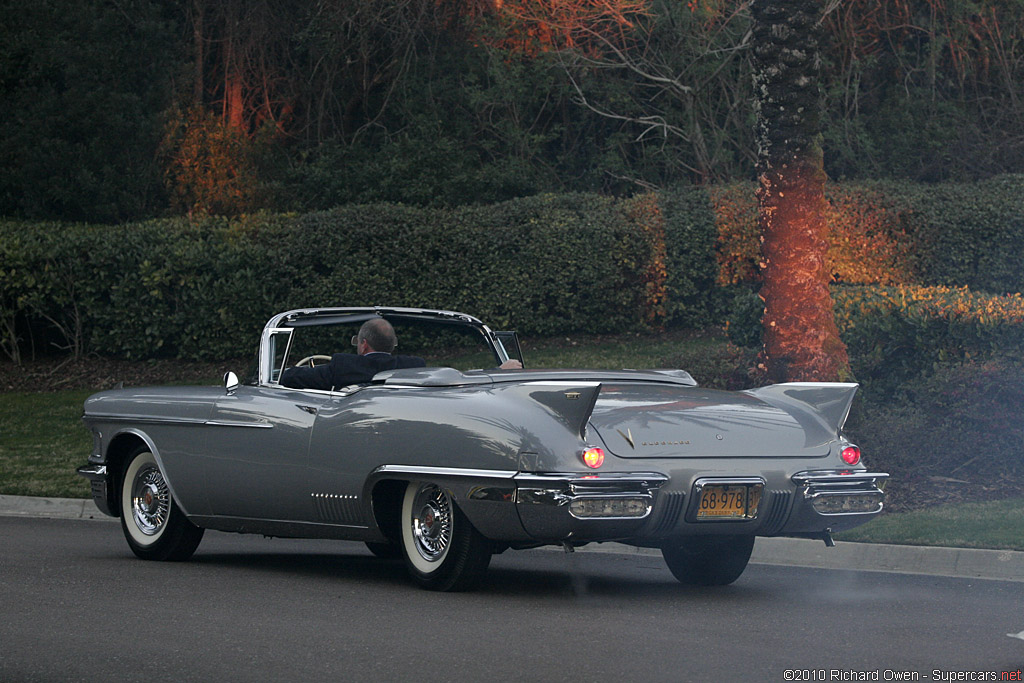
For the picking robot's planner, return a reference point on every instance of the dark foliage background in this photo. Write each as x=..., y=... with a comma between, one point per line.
x=118, y=111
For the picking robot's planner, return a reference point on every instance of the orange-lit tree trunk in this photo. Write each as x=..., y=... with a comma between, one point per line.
x=234, y=100
x=801, y=340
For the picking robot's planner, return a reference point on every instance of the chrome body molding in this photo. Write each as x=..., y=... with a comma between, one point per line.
x=142, y=419
x=287, y=528
x=432, y=473
x=184, y=421
x=244, y=425
x=93, y=472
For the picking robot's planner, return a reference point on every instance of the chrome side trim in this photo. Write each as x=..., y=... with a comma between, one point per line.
x=226, y=423
x=146, y=419
x=444, y=471
x=188, y=421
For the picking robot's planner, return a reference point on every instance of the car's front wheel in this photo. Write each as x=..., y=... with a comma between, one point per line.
x=442, y=549
x=708, y=560
x=152, y=523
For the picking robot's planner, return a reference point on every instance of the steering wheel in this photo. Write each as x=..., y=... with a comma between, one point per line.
x=312, y=361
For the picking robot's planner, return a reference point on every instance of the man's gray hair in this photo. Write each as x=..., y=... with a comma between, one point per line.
x=379, y=334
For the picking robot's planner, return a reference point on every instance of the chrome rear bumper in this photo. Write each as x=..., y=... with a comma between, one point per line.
x=562, y=507
x=842, y=492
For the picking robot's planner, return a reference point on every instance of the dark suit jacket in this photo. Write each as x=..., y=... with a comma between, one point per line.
x=345, y=369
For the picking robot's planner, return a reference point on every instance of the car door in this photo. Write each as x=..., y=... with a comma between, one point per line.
x=344, y=449
x=258, y=452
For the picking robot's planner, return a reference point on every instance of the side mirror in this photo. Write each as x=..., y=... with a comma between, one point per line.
x=231, y=382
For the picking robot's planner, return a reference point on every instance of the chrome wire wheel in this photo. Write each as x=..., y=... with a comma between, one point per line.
x=153, y=525
x=151, y=500
x=432, y=523
x=442, y=549
x=145, y=500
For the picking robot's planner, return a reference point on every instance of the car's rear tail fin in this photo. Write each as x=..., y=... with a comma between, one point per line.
x=830, y=400
x=570, y=402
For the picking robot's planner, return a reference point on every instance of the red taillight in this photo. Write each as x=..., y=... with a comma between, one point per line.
x=851, y=455
x=593, y=457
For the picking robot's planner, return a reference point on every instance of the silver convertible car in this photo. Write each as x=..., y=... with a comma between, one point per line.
x=445, y=466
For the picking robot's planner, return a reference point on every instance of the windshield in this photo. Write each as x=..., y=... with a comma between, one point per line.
x=463, y=347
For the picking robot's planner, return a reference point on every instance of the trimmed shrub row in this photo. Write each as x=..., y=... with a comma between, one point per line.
x=549, y=264
x=897, y=232
x=897, y=333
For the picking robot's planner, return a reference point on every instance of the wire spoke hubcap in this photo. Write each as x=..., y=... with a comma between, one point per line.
x=432, y=525
x=151, y=500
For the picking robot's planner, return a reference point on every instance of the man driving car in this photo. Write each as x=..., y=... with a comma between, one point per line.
x=374, y=343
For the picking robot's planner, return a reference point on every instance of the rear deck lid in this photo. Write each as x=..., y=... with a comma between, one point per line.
x=661, y=421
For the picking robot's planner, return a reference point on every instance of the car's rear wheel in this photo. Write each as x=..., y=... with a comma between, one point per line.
x=442, y=550
x=708, y=560
x=153, y=525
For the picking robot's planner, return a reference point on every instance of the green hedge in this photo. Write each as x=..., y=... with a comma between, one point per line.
x=897, y=333
x=160, y=288
x=549, y=264
x=692, y=269
x=897, y=232
x=967, y=234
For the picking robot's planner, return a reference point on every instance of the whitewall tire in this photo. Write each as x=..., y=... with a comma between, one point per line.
x=153, y=525
x=442, y=549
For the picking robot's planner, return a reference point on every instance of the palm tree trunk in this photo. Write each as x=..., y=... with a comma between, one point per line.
x=801, y=340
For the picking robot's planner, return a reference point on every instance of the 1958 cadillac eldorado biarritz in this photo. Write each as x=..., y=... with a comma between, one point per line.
x=447, y=466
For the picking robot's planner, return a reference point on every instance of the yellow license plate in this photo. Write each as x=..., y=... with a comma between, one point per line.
x=724, y=501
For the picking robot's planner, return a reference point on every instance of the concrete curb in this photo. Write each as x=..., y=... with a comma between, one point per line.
x=1002, y=565
x=52, y=508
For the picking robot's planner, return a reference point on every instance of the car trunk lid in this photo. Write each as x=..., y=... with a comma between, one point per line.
x=661, y=421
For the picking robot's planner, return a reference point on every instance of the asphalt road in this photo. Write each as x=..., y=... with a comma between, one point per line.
x=76, y=605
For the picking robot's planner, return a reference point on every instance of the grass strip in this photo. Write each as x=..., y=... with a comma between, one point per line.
x=42, y=441
x=996, y=525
